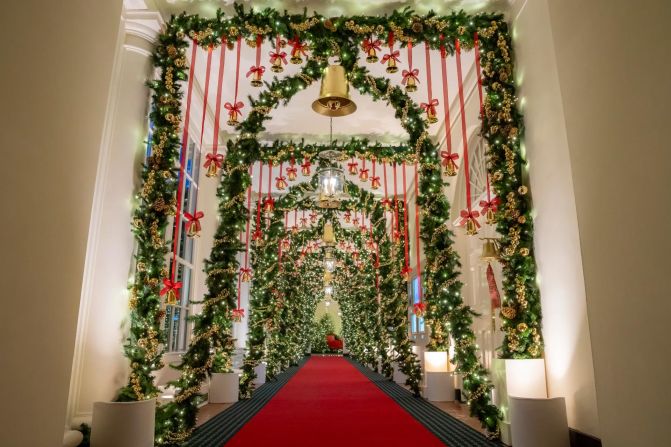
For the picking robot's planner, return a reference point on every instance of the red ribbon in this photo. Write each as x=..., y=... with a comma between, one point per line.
x=257, y=235
x=363, y=173
x=238, y=314
x=256, y=68
x=297, y=47
x=217, y=159
x=407, y=270
x=449, y=157
x=280, y=182
x=489, y=205
x=303, y=221
x=393, y=55
x=352, y=167
x=369, y=44
x=470, y=215
x=414, y=73
x=386, y=202
x=245, y=270
x=274, y=55
x=194, y=219
x=430, y=106
x=234, y=108
x=170, y=285
x=347, y=216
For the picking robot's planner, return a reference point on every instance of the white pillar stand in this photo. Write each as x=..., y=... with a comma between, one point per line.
x=260, y=371
x=439, y=386
x=128, y=424
x=526, y=378
x=439, y=381
x=224, y=388
x=539, y=422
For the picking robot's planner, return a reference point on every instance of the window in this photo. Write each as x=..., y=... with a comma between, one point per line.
x=176, y=322
x=416, y=323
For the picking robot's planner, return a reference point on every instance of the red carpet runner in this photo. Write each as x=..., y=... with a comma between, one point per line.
x=328, y=403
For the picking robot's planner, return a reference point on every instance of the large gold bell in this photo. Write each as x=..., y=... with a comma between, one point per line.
x=334, y=97
x=490, y=250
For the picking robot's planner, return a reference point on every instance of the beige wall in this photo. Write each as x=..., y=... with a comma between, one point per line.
x=57, y=64
x=613, y=64
x=568, y=354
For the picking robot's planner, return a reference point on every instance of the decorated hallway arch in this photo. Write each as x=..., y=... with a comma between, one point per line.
x=446, y=314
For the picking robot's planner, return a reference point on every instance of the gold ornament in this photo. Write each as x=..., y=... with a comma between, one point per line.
x=524, y=251
x=471, y=228
x=522, y=190
x=417, y=27
x=522, y=327
x=171, y=297
x=522, y=219
x=212, y=170
x=411, y=84
x=508, y=312
x=391, y=65
x=489, y=216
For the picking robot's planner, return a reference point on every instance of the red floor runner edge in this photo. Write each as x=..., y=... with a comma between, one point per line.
x=329, y=403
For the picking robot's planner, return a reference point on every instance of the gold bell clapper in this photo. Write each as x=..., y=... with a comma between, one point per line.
x=328, y=237
x=334, y=99
x=490, y=249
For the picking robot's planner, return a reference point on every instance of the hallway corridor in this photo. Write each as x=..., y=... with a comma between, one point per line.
x=330, y=402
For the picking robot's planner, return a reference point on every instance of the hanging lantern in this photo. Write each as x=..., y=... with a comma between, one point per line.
x=329, y=236
x=330, y=264
x=334, y=99
x=331, y=185
x=490, y=250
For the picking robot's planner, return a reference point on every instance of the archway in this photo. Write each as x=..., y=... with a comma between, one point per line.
x=446, y=313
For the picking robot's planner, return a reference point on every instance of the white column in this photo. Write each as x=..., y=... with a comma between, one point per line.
x=99, y=366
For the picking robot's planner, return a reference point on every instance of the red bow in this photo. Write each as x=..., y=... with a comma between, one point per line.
x=194, y=219
x=469, y=215
x=245, y=274
x=257, y=235
x=429, y=106
x=238, y=314
x=419, y=309
x=410, y=74
x=274, y=55
x=217, y=159
x=355, y=222
x=355, y=254
x=169, y=285
x=297, y=46
x=254, y=69
x=363, y=229
x=369, y=44
x=303, y=221
x=269, y=204
x=313, y=217
x=234, y=108
x=487, y=205
x=363, y=173
x=347, y=216
x=406, y=270
x=352, y=165
x=393, y=55
x=386, y=203
x=306, y=167
x=292, y=170
x=375, y=182
x=449, y=158
x=280, y=182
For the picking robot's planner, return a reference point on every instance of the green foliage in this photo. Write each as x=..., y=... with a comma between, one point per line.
x=320, y=329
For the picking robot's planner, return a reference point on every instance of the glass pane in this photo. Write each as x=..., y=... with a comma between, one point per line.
x=185, y=243
x=174, y=332
x=186, y=195
x=184, y=275
x=196, y=166
x=184, y=330
x=189, y=162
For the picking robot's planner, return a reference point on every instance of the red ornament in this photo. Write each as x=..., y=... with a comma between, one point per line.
x=278, y=59
x=304, y=222
x=281, y=182
x=375, y=182
x=170, y=289
x=449, y=162
x=371, y=47
x=470, y=219
x=363, y=175
x=353, y=168
x=269, y=205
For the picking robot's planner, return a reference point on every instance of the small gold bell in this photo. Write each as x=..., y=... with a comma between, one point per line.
x=450, y=169
x=470, y=228
x=363, y=175
x=232, y=118
x=296, y=57
x=489, y=215
x=391, y=65
x=171, y=297
x=372, y=56
x=411, y=84
x=212, y=170
x=277, y=66
x=256, y=79
x=430, y=113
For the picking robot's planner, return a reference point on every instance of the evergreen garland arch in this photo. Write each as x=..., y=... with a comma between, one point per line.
x=501, y=125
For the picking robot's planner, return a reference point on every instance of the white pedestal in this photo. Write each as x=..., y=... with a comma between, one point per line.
x=260, y=371
x=539, y=422
x=128, y=424
x=526, y=378
x=398, y=377
x=439, y=386
x=72, y=438
x=224, y=388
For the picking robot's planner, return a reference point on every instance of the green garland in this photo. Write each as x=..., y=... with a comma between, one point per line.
x=502, y=127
